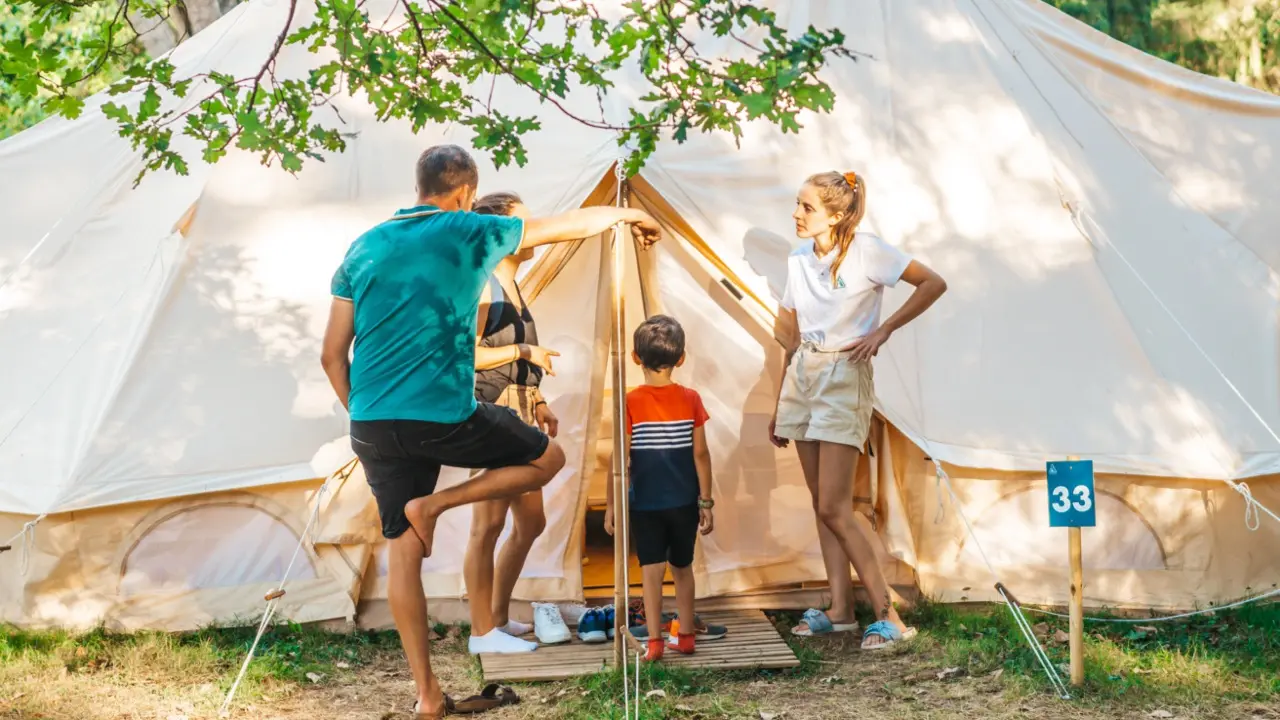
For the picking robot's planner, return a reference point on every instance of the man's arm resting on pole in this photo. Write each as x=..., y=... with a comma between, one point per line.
x=586, y=222
x=335, y=351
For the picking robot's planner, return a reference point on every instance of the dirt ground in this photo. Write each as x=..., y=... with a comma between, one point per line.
x=837, y=681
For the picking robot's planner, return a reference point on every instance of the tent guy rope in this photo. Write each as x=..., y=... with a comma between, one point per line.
x=273, y=597
x=27, y=535
x=1147, y=621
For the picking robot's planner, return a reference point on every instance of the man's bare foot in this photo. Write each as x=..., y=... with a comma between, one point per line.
x=422, y=518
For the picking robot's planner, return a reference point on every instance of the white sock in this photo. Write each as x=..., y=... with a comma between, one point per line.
x=516, y=628
x=496, y=641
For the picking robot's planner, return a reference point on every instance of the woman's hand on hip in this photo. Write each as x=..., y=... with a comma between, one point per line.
x=866, y=347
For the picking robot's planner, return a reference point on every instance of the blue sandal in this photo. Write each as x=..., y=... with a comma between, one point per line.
x=817, y=623
x=888, y=631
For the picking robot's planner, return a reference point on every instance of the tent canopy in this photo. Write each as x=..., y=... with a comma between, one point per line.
x=1102, y=219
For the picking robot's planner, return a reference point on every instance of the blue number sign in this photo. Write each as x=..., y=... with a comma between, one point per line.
x=1071, y=498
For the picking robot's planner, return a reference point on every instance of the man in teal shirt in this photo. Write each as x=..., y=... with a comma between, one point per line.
x=406, y=296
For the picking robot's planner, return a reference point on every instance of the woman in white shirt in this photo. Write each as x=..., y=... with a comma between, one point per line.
x=831, y=305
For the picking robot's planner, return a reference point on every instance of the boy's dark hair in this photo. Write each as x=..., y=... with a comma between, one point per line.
x=497, y=203
x=659, y=342
x=444, y=168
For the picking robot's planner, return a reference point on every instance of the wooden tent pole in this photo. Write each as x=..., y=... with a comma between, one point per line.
x=618, y=344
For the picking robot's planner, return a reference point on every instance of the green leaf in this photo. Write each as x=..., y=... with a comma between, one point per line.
x=150, y=104
x=757, y=104
x=291, y=162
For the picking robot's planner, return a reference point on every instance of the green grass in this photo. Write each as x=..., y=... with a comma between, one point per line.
x=1203, y=664
x=1232, y=654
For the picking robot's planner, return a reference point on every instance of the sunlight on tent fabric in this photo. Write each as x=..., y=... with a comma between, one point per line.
x=1184, y=428
x=951, y=27
x=193, y=550
x=1122, y=540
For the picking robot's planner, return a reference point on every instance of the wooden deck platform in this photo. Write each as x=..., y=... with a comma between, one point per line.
x=752, y=642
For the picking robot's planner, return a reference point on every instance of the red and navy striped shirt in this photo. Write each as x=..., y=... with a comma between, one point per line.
x=660, y=421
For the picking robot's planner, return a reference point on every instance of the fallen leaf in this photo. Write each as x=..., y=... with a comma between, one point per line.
x=586, y=693
x=1041, y=628
x=684, y=708
x=315, y=677
x=764, y=715
x=1160, y=714
x=834, y=679
x=949, y=673
x=563, y=692
x=1145, y=628
x=1061, y=637
x=656, y=693
x=996, y=675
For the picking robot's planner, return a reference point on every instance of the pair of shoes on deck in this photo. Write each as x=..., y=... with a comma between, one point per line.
x=596, y=625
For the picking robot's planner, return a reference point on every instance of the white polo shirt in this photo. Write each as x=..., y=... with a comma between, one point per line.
x=832, y=317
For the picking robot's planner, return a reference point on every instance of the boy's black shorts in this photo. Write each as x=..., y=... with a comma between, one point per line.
x=665, y=535
x=402, y=458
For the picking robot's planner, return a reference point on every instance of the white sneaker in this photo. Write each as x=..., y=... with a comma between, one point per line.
x=548, y=626
x=515, y=628
x=496, y=641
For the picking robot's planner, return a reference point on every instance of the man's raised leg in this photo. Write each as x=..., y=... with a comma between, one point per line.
x=409, y=609
x=492, y=484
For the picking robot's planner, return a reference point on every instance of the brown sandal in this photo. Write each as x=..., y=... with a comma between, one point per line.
x=450, y=708
x=493, y=696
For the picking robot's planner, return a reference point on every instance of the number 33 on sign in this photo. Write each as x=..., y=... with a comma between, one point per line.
x=1071, y=499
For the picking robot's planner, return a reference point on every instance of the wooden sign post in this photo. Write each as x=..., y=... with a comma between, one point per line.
x=1071, y=505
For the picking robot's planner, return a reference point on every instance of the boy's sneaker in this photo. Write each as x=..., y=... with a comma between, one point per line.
x=548, y=626
x=707, y=631
x=591, y=628
x=638, y=624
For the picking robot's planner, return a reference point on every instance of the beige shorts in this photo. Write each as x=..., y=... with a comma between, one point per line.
x=523, y=400
x=826, y=398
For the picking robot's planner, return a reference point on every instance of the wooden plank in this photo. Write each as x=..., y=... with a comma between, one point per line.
x=752, y=642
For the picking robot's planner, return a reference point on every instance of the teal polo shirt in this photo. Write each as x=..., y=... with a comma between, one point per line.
x=415, y=282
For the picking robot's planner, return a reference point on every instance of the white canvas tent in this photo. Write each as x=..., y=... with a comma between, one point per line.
x=1101, y=218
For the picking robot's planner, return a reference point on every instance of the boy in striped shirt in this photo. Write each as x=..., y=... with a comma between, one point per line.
x=670, y=471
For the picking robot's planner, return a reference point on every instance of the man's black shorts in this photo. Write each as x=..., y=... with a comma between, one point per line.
x=665, y=536
x=402, y=458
